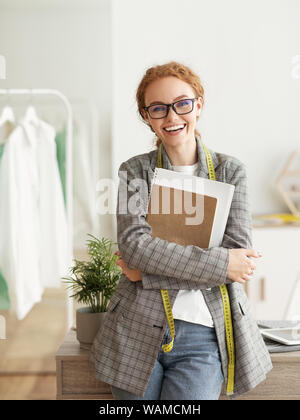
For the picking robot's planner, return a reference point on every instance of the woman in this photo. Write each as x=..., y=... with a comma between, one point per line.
x=127, y=352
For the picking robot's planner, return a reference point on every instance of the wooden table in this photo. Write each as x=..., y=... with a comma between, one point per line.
x=75, y=380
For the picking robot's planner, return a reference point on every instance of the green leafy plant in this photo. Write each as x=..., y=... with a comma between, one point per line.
x=93, y=282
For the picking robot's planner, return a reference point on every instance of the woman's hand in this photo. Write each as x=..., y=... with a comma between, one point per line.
x=132, y=275
x=240, y=267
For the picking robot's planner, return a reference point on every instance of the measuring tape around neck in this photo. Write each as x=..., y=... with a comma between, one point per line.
x=224, y=293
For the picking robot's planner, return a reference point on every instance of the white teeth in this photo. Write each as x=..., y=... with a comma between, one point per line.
x=175, y=127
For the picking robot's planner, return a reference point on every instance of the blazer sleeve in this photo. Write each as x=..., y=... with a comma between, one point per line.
x=204, y=268
x=238, y=232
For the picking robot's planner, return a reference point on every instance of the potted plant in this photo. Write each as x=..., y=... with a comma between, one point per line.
x=93, y=283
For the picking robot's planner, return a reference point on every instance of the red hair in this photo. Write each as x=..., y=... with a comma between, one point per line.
x=174, y=69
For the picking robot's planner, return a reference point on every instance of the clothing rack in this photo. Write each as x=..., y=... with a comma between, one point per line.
x=69, y=181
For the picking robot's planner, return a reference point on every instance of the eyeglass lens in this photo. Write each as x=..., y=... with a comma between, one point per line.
x=181, y=107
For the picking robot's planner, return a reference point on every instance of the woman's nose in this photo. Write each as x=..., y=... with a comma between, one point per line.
x=171, y=114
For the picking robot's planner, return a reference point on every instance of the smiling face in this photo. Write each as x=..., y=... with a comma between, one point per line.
x=174, y=130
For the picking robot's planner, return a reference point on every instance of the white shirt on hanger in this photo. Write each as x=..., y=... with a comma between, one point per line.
x=54, y=255
x=190, y=305
x=33, y=227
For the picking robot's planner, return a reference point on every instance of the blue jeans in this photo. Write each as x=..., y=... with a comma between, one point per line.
x=190, y=371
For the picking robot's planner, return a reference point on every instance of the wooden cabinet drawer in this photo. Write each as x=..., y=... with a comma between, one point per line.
x=74, y=378
x=77, y=378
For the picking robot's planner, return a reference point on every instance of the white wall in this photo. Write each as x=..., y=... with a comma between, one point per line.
x=243, y=52
x=64, y=45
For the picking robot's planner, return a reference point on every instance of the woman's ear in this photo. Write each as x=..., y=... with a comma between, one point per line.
x=199, y=105
x=146, y=118
x=145, y=115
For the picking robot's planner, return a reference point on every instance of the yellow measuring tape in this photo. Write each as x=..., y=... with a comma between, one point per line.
x=224, y=293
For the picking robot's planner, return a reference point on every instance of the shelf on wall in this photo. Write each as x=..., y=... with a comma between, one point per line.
x=275, y=220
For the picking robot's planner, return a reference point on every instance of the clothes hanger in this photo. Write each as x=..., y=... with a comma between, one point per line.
x=7, y=116
x=31, y=115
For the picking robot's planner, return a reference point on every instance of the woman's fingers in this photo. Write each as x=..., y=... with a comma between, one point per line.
x=241, y=267
x=250, y=269
x=247, y=277
x=243, y=279
x=252, y=253
x=118, y=259
x=131, y=274
x=121, y=263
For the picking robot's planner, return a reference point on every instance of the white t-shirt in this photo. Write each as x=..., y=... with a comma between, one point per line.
x=190, y=305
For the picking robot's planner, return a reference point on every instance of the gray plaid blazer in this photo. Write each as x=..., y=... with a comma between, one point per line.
x=125, y=349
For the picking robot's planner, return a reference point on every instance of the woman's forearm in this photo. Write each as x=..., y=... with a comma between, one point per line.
x=203, y=268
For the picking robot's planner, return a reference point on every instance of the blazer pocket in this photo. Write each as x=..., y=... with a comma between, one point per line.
x=242, y=310
x=244, y=304
x=114, y=302
x=237, y=310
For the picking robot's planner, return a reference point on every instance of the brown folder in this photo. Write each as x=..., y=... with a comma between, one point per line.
x=170, y=211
